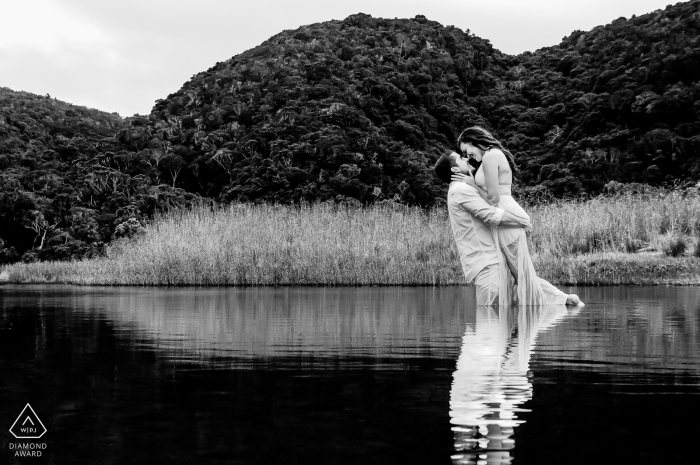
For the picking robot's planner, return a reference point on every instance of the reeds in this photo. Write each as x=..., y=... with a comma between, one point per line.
x=244, y=244
x=619, y=223
x=574, y=242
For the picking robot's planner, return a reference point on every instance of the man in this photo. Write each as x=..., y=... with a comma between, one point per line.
x=471, y=218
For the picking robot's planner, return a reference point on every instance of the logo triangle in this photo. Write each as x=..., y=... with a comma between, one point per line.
x=28, y=425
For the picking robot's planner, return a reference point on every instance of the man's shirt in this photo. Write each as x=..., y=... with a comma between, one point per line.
x=471, y=218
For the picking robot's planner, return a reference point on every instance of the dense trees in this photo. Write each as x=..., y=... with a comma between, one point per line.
x=353, y=110
x=357, y=111
x=619, y=102
x=67, y=184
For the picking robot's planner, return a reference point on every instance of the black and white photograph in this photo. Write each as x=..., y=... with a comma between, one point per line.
x=368, y=232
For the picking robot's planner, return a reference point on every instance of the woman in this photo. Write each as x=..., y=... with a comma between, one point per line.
x=494, y=178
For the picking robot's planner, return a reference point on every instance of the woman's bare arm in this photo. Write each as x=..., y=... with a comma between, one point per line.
x=490, y=164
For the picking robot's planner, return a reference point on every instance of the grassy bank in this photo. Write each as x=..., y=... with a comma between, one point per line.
x=574, y=242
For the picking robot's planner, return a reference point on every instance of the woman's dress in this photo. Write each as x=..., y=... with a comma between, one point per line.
x=529, y=290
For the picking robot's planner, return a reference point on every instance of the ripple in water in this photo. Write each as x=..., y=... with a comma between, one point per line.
x=492, y=380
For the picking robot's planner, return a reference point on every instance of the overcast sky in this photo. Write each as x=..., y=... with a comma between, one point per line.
x=123, y=55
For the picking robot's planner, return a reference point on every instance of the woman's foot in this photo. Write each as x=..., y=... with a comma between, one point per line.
x=573, y=300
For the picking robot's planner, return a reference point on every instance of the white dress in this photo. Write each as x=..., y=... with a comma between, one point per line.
x=529, y=290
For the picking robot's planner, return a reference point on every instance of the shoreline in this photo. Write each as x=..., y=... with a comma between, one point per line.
x=592, y=270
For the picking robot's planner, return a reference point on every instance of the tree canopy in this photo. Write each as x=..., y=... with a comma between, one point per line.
x=68, y=185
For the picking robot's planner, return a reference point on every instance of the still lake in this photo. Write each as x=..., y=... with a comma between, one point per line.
x=349, y=376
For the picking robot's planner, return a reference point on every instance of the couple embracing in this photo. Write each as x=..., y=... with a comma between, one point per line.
x=490, y=227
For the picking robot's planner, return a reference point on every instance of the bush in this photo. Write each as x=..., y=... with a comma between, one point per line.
x=30, y=256
x=675, y=247
x=7, y=254
x=128, y=228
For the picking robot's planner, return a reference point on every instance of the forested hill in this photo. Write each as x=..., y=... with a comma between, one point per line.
x=356, y=110
x=361, y=108
x=620, y=102
x=353, y=109
x=67, y=185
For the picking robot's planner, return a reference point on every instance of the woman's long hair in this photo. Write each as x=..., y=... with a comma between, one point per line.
x=480, y=137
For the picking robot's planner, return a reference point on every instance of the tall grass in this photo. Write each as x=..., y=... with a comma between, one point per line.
x=573, y=242
x=244, y=244
x=620, y=223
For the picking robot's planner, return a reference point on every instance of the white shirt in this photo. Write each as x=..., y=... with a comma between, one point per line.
x=471, y=218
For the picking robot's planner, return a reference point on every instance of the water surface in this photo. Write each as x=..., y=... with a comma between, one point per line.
x=349, y=375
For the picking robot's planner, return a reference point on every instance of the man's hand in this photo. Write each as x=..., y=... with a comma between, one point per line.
x=513, y=221
x=461, y=177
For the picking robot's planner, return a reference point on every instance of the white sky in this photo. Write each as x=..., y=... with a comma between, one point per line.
x=123, y=55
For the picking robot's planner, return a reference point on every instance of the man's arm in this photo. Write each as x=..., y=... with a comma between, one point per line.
x=513, y=221
x=472, y=202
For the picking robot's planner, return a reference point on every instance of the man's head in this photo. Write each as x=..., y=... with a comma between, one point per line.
x=449, y=163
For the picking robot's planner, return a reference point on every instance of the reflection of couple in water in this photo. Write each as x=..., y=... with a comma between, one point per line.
x=491, y=382
x=489, y=226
